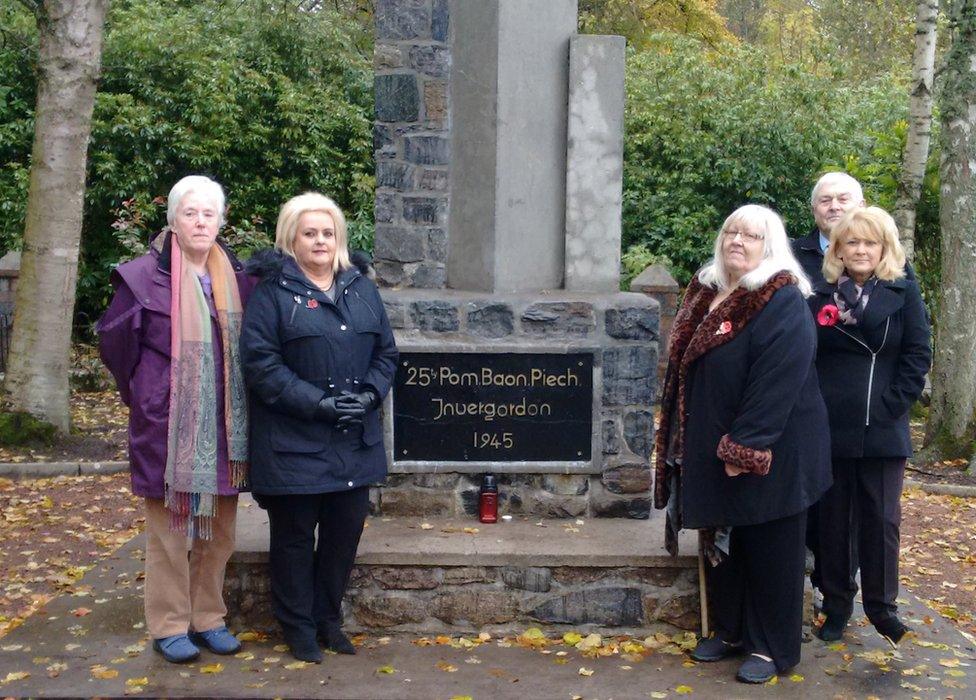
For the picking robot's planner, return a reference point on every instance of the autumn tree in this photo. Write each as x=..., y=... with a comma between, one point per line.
x=69, y=57
x=639, y=20
x=916, y=151
x=951, y=428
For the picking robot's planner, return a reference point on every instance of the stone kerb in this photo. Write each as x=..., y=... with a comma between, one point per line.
x=411, y=141
x=621, y=332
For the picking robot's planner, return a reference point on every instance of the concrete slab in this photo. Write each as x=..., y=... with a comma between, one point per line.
x=69, y=653
x=597, y=542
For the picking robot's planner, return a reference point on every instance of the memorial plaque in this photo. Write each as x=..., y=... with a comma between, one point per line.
x=485, y=407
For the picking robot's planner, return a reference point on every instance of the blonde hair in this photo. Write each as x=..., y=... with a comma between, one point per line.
x=777, y=254
x=291, y=212
x=873, y=223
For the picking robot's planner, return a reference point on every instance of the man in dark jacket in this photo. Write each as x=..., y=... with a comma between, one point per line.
x=834, y=195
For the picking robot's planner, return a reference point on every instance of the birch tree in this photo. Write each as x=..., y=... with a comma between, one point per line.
x=951, y=430
x=916, y=151
x=69, y=57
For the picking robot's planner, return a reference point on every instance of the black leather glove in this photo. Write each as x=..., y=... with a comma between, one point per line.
x=339, y=411
x=366, y=400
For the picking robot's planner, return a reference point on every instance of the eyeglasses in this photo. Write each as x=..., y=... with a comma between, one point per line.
x=746, y=235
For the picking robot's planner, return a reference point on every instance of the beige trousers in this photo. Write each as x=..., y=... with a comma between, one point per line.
x=185, y=580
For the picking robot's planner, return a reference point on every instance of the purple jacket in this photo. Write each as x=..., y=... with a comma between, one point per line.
x=134, y=342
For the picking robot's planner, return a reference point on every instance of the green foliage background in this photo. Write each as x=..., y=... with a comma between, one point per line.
x=268, y=100
x=708, y=131
x=271, y=101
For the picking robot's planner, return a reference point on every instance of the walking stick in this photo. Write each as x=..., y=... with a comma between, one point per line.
x=702, y=593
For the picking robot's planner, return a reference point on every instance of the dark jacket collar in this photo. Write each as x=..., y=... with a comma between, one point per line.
x=811, y=241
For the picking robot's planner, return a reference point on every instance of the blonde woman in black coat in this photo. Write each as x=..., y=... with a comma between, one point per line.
x=873, y=353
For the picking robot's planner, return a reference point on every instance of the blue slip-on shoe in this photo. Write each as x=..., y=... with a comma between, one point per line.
x=177, y=649
x=756, y=669
x=219, y=640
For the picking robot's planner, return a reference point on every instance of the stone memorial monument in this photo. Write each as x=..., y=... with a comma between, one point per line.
x=499, y=168
x=498, y=141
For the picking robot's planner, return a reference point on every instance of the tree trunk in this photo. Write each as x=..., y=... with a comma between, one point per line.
x=952, y=419
x=70, y=33
x=916, y=152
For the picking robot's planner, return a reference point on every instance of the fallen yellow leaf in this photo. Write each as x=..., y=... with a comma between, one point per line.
x=585, y=671
x=572, y=638
x=446, y=667
x=797, y=678
x=212, y=668
x=137, y=681
x=657, y=695
x=103, y=673
x=280, y=648
x=386, y=669
x=949, y=663
x=684, y=690
x=15, y=676
x=296, y=665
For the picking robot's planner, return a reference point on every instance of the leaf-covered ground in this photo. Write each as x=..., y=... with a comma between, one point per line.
x=99, y=424
x=938, y=554
x=52, y=531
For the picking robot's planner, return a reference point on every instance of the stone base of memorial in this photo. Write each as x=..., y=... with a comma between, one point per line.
x=552, y=392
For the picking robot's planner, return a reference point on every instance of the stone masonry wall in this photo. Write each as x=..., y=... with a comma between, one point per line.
x=411, y=141
x=461, y=599
x=621, y=330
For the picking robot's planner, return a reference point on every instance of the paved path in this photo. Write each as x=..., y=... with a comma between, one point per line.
x=70, y=652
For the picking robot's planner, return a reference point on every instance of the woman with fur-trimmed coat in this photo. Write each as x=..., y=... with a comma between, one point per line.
x=743, y=445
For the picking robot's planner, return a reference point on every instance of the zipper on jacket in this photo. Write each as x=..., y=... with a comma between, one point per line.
x=298, y=302
x=874, y=357
x=366, y=304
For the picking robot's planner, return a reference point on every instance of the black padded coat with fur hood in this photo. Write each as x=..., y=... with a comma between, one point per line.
x=297, y=347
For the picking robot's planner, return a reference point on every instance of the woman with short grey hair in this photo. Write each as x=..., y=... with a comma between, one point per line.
x=170, y=339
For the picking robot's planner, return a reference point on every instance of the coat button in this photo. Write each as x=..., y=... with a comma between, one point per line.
x=350, y=483
x=342, y=327
x=283, y=283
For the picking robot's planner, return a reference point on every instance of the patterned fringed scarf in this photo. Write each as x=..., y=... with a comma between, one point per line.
x=191, y=461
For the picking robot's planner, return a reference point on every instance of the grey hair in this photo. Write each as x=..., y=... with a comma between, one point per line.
x=201, y=185
x=777, y=253
x=837, y=177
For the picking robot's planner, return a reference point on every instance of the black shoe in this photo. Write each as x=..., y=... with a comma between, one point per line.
x=714, y=649
x=832, y=629
x=307, y=651
x=756, y=669
x=893, y=630
x=335, y=640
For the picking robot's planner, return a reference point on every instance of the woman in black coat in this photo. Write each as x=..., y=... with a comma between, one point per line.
x=872, y=357
x=742, y=448
x=318, y=356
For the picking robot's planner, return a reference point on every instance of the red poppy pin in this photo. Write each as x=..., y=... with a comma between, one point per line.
x=313, y=304
x=828, y=316
x=725, y=327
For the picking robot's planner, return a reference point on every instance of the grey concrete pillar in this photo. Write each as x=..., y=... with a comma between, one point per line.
x=594, y=163
x=508, y=191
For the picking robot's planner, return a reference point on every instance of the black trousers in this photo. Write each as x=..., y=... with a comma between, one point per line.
x=756, y=595
x=308, y=579
x=860, y=521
